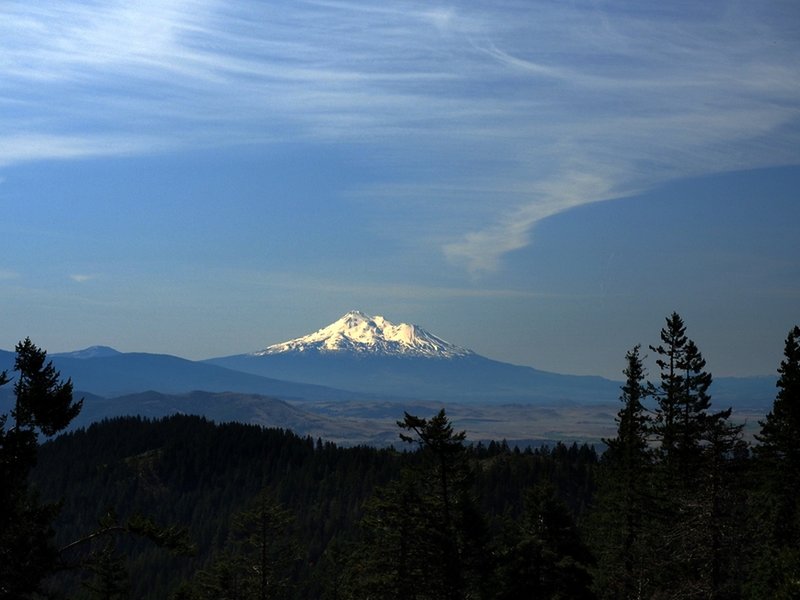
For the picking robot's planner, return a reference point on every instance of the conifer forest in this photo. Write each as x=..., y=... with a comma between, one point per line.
x=678, y=504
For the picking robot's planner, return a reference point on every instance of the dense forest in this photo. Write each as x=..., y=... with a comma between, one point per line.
x=677, y=506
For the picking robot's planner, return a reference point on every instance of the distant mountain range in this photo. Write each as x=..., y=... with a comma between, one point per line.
x=361, y=360
x=374, y=356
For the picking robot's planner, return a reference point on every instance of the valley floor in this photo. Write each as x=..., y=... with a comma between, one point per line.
x=350, y=423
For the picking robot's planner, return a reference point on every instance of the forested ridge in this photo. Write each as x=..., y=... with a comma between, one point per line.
x=677, y=506
x=188, y=471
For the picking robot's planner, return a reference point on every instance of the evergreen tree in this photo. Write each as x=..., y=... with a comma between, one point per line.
x=110, y=575
x=43, y=401
x=692, y=481
x=682, y=418
x=445, y=479
x=722, y=510
x=394, y=558
x=668, y=392
x=43, y=405
x=260, y=556
x=778, y=454
x=423, y=535
x=620, y=516
x=544, y=556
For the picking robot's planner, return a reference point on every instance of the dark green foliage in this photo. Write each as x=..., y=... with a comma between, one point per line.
x=670, y=515
x=682, y=417
x=43, y=406
x=424, y=538
x=450, y=527
x=777, y=573
x=192, y=473
x=621, y=522
x=109, y=574
x=259, y=558
x=44, y=402
x=693, y=486
x=543, y=555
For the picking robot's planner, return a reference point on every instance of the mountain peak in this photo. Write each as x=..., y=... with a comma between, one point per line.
x=358, y=333
x=90, y=352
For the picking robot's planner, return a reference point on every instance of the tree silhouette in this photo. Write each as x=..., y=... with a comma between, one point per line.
x=43, y=406
x=778, y=455
x=623, y=502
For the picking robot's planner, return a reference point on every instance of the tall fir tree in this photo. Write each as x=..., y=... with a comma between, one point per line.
x=668, y=392
x=722, y=515
x=43, y=406
x=423, y=535
x=394, y=556
x=692, y=485
x=260, y=555
x=445, y=476
x=619, y=522
x=778, y=454
x=682, y=418
x=544, y=556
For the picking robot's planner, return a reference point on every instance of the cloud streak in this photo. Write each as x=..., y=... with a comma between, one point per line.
x=570, y=104
x=82, y=277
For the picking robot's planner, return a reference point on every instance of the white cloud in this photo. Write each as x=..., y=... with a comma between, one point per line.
x=82, y=277
x=22, y=147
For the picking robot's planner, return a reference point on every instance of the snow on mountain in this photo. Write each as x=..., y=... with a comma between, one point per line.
x=358, y=333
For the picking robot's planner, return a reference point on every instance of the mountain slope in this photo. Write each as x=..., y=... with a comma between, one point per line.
x=373, y=355
x=117, y=374
x=463, y=379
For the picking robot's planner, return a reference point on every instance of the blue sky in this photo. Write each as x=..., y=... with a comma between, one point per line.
x=542, y=182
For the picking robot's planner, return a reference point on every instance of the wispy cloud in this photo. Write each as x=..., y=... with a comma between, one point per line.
x=23, y=147
x=82, y=277
x=567, y=104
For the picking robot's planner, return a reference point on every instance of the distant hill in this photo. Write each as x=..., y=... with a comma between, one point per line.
x=117, y=374
x=222, y=407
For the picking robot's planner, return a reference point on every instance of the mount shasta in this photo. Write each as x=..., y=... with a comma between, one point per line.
x=350, y=381
x=372, y=355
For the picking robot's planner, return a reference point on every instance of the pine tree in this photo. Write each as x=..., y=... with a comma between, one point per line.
x=260, y=555
x=43, y=401
x=682, y=417
x=395, y=555
x=43, y=405
x=423, y=535
x=544, y=556
x=722, y=509
x=692, y=481
x=619, y=519
x=668, y=392
x=778, y=454
x=444, y=476
x=110, y=575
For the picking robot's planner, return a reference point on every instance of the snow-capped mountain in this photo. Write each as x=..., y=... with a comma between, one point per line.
x=372, y=355
x=356, y=332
